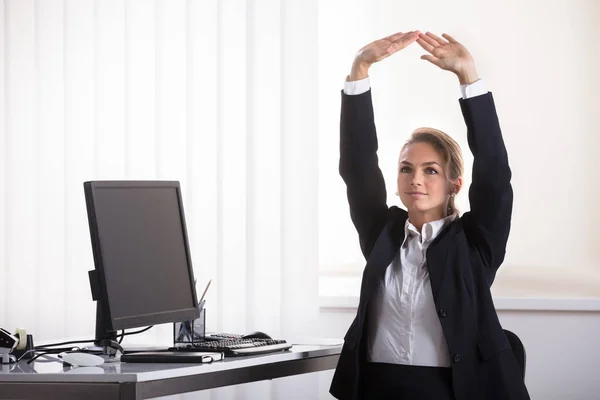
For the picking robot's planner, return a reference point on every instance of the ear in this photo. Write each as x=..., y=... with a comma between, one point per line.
x=457, y=185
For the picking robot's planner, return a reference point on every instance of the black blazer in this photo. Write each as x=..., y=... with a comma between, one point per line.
x=462, y=260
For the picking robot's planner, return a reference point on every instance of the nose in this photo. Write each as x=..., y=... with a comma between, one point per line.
x=417, y=179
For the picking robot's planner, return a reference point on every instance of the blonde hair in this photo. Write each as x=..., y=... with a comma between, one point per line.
x=448, y=148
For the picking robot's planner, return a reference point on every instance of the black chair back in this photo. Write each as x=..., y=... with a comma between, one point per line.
x=517, y=348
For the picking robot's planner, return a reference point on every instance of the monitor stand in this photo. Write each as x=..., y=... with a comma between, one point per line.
x=105, y=342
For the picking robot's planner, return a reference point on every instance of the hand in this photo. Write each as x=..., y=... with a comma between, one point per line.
x=449, y=55
x=378, y=50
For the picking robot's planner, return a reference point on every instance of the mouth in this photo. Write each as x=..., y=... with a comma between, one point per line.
x=416, y=194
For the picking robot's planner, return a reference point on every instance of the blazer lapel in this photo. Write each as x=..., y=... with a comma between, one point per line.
x=385, y=249
x=440, y=256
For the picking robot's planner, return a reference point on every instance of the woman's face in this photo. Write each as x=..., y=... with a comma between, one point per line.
x=422, y=183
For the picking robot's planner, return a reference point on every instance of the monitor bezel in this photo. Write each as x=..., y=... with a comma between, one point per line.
x=106, y=320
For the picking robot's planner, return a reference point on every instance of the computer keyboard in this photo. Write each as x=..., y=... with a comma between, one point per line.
x=222, y=336
x=240, y=347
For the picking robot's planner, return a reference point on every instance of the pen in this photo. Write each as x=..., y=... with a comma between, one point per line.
x=204, y=294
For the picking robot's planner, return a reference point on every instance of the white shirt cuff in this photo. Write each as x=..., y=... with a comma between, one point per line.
x=357, y=87
x=361, y=86
x=476, y=88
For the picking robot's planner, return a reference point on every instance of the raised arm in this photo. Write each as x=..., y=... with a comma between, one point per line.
x=487, y=225
x=359, y=165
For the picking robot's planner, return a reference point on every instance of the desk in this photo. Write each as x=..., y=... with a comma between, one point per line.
x=132, y=381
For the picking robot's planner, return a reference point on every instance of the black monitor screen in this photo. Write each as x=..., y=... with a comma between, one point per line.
x=141, y=252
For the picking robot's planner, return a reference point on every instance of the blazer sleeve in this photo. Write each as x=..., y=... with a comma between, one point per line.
x=359, y=168
x=487, y=225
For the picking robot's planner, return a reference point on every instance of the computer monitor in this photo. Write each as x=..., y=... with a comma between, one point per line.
x=143, y=270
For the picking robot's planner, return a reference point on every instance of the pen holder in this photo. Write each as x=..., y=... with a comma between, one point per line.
x=187, y=333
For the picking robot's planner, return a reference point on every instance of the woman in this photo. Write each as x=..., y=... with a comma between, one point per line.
x=426, y=326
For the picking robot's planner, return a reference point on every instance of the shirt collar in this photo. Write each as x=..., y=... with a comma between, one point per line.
x=430, y=230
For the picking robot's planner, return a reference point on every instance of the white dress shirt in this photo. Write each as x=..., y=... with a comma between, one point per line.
x=403, y=325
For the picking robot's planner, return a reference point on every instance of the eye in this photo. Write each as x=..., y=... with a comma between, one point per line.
x=405, y=170
x=430, y=171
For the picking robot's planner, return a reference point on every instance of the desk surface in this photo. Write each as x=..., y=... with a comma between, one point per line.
x=124, y=381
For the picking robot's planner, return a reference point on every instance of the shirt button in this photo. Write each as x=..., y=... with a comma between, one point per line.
x=442, y=313
x=457, y=358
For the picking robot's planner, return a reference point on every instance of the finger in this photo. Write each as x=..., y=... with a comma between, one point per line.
x=449, y=38
x=407, y=39
x=395, y=36
x=436, y=38
x=434, y=60
x=401, y=42
x=431, y=42
x=426, y=46
x=396, y=46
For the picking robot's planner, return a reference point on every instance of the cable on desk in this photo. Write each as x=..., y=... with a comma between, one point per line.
x=32, y=359
x=49, y=358
x=45, y=346
x=24, y=354
x=134, y=332
x=44, y=352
